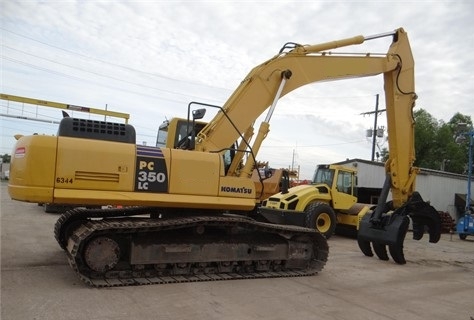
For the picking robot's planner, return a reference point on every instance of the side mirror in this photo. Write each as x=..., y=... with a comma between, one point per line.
x=198, y=114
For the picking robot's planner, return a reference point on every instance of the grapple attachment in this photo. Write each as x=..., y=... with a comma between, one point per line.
x=387, y=227
x=389, y=231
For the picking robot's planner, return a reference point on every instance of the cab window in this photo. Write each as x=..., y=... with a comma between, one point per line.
x=344, y=182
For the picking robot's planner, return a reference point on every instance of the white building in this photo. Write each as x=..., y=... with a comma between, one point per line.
x=4, y=171
x=437, y=187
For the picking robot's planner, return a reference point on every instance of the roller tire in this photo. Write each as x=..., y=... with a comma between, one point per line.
x=321, y=216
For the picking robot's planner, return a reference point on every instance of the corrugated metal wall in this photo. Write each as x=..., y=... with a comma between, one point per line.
x=440, y=190
x=438, y=187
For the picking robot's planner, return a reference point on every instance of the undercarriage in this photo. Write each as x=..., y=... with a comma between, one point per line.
x=136, y=246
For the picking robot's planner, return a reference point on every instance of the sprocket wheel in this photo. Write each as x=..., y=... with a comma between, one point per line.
x=102, y=254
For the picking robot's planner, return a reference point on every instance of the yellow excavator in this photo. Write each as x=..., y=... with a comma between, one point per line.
x=190, y=211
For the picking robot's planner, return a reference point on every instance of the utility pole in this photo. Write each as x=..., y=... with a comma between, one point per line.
x=293, y=160
x=374, y=136
x=374, y=131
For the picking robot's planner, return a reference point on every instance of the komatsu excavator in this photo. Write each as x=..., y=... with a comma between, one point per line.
x=186, y=209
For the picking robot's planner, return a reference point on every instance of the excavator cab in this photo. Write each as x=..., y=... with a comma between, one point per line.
x=178, y=132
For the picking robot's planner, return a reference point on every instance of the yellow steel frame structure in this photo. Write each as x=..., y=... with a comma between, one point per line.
x=59, y=105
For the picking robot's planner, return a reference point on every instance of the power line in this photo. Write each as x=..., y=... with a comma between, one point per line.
x=28, y=118
x=101, y=84
x=314, y=146
x=111, y=63
x=93, y=72
x=107, y=86
x=88, y=57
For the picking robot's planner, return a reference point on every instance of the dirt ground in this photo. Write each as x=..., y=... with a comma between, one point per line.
x=37, y=283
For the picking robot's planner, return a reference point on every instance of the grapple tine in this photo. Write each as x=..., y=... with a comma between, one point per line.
x=396, y=251
x=424, y=217
x=380, y=250
x=418, y=229
x=365, y=247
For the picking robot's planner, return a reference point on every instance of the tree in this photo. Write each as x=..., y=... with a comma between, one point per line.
x=461, y=158
x=6, y=158
x=435, y=143
x=425, y=134
x=384, y=154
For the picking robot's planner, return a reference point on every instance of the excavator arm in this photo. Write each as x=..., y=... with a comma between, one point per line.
x=287, y=71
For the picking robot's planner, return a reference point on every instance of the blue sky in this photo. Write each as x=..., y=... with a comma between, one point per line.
x=151, y=58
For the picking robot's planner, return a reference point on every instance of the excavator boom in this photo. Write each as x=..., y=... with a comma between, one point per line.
x=307, y=64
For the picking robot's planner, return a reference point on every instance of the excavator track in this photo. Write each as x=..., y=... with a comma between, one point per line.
x=122, y=247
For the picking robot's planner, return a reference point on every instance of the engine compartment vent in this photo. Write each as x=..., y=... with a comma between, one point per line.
x=99, y=130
